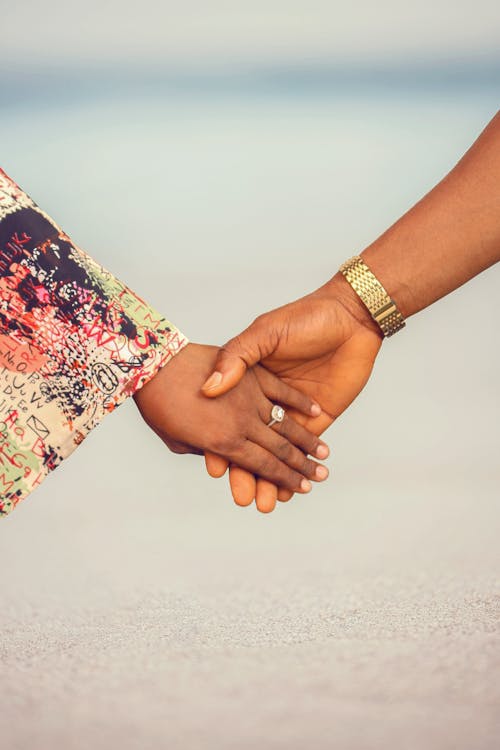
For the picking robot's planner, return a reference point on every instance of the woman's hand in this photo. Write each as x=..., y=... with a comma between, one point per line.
x=324, y=344
x=234, y=427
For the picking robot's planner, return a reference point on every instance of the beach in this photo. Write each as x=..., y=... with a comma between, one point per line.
x=140, y=608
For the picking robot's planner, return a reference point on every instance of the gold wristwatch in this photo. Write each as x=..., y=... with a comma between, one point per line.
x=381, y=307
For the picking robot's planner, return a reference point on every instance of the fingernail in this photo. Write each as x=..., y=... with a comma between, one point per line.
x=305, y=485
x=321, y=472
x=213, y=381
x=316, y=410
x=322, y=451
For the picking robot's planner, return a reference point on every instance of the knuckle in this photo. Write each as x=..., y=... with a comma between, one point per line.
x=311, y=444
x=303, y=464
x=307, y=441
x=260, y=321
x=266, y=466
x=285, y=451
x=297, y=396
x=232, y=348
x=290, y=479
x=309, y=467
x=305, y=403
x=240, y=346
x=264, y=333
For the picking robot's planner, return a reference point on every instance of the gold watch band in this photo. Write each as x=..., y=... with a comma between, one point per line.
x=382, y=308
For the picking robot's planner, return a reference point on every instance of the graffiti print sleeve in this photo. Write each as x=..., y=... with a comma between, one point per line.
x=74, y=343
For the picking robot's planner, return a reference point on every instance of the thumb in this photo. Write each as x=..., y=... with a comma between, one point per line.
x=233, y=360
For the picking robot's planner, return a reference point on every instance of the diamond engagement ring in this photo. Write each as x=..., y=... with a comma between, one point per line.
x=277, y=415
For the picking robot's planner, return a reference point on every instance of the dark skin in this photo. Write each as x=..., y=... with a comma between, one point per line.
x=326, y=343
x=234, y=426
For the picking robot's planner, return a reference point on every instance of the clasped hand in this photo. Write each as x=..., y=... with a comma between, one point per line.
x=234, y=426
x=317, y=353
x=324, y=345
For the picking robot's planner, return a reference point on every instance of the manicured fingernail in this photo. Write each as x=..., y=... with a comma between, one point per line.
x=213, y=381
x=316, y=410
x=305, y=485
x=322, y=451
x=321, y=472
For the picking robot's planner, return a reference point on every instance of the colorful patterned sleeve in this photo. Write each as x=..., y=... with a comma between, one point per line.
x=74, y=343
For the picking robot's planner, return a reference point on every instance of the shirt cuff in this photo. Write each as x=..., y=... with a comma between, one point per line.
x=75, y=342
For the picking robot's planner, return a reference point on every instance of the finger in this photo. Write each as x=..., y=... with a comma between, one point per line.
x=307, y=441
x=236, y=356
x=277, y=390
x=293, y=457
x=216, y=465
x=228, y=373
x=266, y=496
x=259, y=461
x=318, y=425
x=242, y=485
x=283, y=495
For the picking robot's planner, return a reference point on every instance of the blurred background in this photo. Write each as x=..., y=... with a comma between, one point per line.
x=223, y=158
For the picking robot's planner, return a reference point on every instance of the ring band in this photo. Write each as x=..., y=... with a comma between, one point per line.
x=277, y=415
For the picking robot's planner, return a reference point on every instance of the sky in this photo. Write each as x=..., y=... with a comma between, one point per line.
x=229, y=32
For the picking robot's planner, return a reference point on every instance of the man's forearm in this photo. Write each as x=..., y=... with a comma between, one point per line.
x=449, y=236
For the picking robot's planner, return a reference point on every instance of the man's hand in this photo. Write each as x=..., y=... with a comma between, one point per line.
x=235, y=426
x=324, y=344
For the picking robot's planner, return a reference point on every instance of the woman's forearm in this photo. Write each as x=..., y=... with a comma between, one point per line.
x=449, y=236
x=75, y=342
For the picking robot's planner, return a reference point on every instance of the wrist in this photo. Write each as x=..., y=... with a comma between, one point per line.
x=170, y=371
x=382, y=263
x=339, y=290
